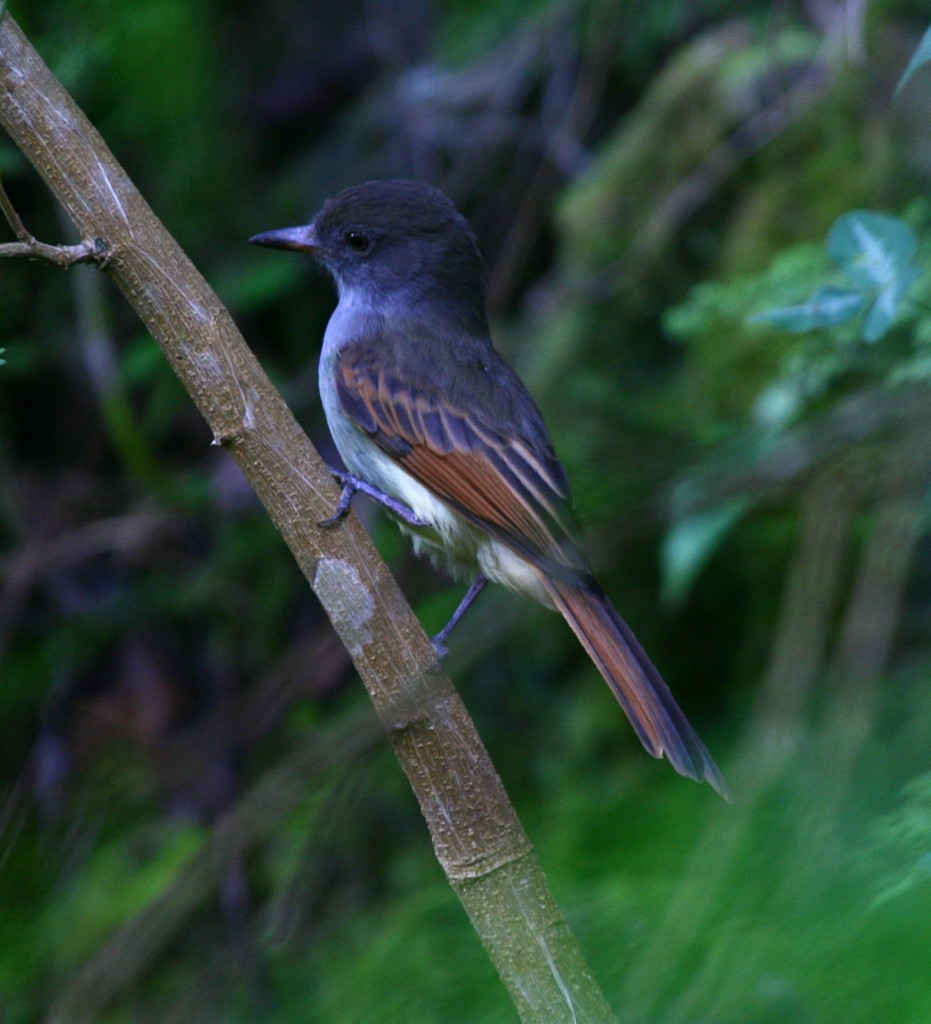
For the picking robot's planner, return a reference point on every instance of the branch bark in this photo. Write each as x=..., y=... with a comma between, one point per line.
x=478, y=839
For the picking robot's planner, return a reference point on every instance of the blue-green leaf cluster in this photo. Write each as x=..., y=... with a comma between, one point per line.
x=875, y=253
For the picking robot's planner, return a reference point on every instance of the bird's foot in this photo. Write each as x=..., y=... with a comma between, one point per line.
x=352, y=484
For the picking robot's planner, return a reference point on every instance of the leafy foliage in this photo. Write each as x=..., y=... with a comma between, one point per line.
x=875, y=253
x=878, y=255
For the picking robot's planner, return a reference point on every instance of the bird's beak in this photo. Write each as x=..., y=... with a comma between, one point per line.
x=303, y=239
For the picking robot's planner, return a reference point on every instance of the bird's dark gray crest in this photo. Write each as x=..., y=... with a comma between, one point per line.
x=386, y=205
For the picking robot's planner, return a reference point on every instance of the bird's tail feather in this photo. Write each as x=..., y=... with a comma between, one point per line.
x=657, y=719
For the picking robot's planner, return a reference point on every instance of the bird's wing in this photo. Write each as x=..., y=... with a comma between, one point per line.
x=509, y=482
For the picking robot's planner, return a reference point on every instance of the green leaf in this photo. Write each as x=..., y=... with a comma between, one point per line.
x=2, y=360
x=873, y=249
x=880, y=317
x=877, y=252
x=825, y=307
x=691, y=542
x=921, y=56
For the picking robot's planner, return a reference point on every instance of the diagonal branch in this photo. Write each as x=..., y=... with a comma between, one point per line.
x=484, y=851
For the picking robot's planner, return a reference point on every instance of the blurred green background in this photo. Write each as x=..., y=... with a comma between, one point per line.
x=199, y=819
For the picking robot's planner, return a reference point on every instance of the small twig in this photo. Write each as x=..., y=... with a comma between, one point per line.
x=88, y=251
x=29, y=247
x=9, y=210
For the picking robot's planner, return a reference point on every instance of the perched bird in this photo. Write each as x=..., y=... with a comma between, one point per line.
x=433, y=423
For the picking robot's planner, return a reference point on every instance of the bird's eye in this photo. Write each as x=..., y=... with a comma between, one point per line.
x=359, y=241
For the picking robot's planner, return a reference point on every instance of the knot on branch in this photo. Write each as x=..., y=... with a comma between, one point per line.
x=231, y=438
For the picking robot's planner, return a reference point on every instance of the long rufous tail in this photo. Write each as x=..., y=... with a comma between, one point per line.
x=658, y=720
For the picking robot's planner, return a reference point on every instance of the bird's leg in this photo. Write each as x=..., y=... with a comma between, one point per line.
x=439, y=641
x=351, y=484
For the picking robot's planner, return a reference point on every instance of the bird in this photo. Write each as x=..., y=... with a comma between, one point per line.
x=433, y=423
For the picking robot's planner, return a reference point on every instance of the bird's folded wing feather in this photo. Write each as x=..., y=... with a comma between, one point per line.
x=511, y=485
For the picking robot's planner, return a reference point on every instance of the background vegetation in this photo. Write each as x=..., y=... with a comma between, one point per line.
x=199, y=820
